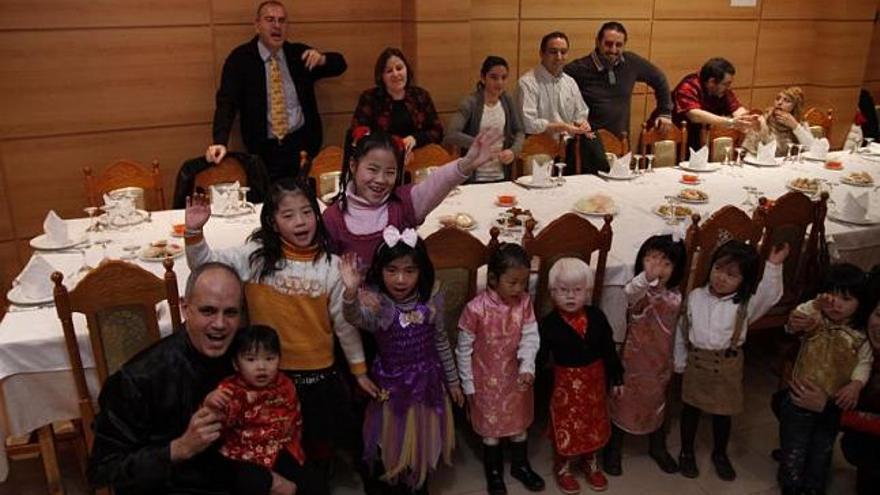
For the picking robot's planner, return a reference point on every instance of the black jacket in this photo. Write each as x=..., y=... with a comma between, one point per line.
x=243, y=90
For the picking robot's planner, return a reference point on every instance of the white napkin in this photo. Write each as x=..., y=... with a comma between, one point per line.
x=819, y=148
x=855, y=207
x=541, y=172
x=224, y=197
x=620, y=168
x=766, y=152
x=699, y=160
x=55, y=229
x=34, y=280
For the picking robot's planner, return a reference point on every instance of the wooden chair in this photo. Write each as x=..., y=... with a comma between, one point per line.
x=800, y=221
x=425, y=159
x=619, y=146
x=457, y=256
x=126, y=173
x=537, y=144
x=668, y=146
x=721, y=141
x=820, y=122
x=729, y=222
x=119, y=302
x=568, y=236
x=326, y=169
x=227, y=171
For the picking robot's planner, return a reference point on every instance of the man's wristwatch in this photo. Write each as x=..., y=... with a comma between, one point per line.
x=730, y=121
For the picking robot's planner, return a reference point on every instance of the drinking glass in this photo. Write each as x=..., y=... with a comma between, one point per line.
x=788, y=152
x=637, y=161
x=670, y=202
x=739, y=156
x=560, y=166
x=91, y=210
x=650, y=158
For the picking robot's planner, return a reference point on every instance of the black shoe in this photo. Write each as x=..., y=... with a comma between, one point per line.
x=520, y=468
x=611, y=462
x=659, y=453
x=687, y=465
x=493, y=465
x=723, y=467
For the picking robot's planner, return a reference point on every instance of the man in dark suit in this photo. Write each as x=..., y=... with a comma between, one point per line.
x=270, y=82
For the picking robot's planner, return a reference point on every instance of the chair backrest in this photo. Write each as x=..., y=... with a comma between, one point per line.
x=328, y=160
x=125, y=173
x=721, y=141
x=430, y=155
x=820, y=122
x=457, y=257
x=569, y=236
x=669, y=145
x=800, y=221
x=537, y=144
x=119, y=302
x=619, y=146
x=729, y=222
x=227, y=171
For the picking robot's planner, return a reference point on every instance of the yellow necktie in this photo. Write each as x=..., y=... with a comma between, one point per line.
x=278, y=109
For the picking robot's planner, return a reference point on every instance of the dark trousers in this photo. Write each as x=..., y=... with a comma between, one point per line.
x=807, y=440
x=282, y=157
x=253, y=479
x=592, y=155
x=690, y=419
x=862, y=450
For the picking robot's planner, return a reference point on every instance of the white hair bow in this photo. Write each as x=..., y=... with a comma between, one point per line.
x=392, y=236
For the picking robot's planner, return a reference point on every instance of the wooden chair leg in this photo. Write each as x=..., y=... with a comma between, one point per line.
x=50, y=460
x=79, y=445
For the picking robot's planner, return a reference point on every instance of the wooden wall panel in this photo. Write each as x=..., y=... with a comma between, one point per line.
x=872, y=70
x=494, y=37
x=9, y=268
x=494, y=9
x=447, y=10
x=641, y=107
x=702, y=9
x=335, y=127
x=585, y=9
x=109, y=79
x=238, y=12
x=819, y=9
x=440, y=64
x=681, y=47
x=6, y=229
x=53, y=176
x=840, y=53
x=785, y=51
x=51, y=14
x=874, y=88
x=581, y=35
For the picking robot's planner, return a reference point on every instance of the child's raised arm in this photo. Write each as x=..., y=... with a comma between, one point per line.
x=770, y=289
x=356, y=312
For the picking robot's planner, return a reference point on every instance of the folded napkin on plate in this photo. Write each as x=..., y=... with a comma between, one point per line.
x=699, y=159
x=55, y=229
x=819, y=148
x=541, y=172
x=34, y=280
x=855, y=207
x=767, y=152
x=224, y=197
x=620, y=167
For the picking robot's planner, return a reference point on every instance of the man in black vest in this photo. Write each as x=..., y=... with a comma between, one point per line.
x=270, y=82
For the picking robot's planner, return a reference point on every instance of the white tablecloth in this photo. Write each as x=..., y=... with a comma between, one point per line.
x=36, y=384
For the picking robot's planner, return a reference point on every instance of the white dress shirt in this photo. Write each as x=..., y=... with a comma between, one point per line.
x=546, y=98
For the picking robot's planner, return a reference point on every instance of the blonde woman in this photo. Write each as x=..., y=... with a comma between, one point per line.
x=780, y=122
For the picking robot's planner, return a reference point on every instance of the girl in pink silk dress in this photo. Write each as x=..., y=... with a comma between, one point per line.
x=654, y=302
x=497, y=344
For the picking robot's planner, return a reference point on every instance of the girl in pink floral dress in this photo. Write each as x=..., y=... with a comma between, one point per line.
x=497, y=344
x=654, y=302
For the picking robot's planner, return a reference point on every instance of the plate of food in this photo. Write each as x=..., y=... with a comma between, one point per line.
x=505, y=200
x=693, y=195
x=596, y=205
x=608, y=175
x=858, y=179
x=680, y=212
x=834, y=165
x=458, y=220
x=806, y=185
x=514, y=218
x=710, y=167
x=690, y=179
x=527, y=181
x=159, y=250
x=753, y=160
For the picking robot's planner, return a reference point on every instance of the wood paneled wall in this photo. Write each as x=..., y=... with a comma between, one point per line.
x=85, y=83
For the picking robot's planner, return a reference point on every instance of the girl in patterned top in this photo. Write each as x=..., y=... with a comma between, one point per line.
x=408, y=426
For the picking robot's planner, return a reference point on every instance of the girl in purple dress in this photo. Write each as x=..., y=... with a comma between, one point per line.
x=408, y=425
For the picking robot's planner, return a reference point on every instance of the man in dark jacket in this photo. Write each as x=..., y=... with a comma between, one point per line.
x=270, y=83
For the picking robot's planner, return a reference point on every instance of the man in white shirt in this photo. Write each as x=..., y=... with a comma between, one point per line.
x=552, y=103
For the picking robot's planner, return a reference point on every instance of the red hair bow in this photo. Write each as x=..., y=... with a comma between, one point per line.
x=359, y=133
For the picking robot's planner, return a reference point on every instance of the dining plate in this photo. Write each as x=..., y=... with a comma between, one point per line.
x=607, y=175
x=42, y=243
x=808, y=156
x=681, y=212
x=753, y=160
x=461, y=221
x=230, y=213
x=526, y=181
x=693, y=199
x=868, y=220
x=17, y=296
x=849, y=181
x=710, y=167
x=806, y=190
x=614, y=211
x=139, y=216
x=159, y=253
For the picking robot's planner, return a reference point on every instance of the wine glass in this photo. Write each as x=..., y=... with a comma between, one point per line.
x=560, y=167
x=868, y=141
x=636, y=161
x=670, y=204
x=748, y=203
x=91, y=210
x=130, y=251
x=650, y=158
x=788, y=152
x=799, y=149
x=739, y=156
x=103, y=243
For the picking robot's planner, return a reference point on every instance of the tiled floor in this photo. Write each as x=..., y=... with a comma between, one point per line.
x=754, y=436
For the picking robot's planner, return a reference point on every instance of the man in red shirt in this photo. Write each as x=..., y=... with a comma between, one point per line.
x=706, y=99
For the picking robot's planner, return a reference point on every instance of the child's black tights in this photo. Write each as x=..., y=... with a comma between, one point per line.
x=690, y=418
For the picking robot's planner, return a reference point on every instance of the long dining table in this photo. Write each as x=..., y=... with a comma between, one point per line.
x=36, y=383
